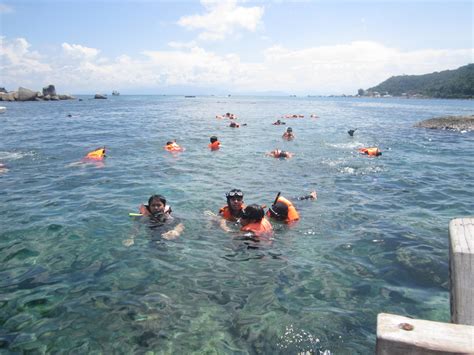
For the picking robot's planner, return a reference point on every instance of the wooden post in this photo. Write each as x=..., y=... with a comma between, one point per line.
x=461, y=270
x=397, y=335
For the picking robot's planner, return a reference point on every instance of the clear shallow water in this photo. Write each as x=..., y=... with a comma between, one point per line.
x=375, y=241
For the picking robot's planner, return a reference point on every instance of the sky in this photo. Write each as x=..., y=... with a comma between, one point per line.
x=305, y=47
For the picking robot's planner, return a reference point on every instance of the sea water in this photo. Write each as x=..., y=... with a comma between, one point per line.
x=376, y=239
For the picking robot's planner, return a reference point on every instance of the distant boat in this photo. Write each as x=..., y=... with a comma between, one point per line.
x=188, y=96
x=115, y=93
x=2, y=109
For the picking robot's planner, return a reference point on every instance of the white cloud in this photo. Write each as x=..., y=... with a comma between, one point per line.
x=79, y=52
x=222, y=19
x=17, y=61
x=335, y=69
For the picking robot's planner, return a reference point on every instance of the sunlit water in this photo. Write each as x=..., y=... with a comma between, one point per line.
x=376, y=240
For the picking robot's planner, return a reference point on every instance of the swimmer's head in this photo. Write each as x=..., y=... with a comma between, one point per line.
x=279, y=211
x=253, y=212
x=213, y=139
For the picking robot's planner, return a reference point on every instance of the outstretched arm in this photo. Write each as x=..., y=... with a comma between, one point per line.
x=174, y=233
x=312, y=196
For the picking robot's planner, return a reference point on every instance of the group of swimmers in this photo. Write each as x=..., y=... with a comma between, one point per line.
x=252, y=221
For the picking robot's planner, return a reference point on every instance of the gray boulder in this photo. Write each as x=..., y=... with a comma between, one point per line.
x=66, y=97
x=49, y=90
x=452, y=123
x=47, y=97
x=26, y=94
x=100, y=96
x=9, y=96
x=54, y=98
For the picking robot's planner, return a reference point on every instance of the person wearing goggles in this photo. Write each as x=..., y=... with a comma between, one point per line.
x=235, y=205
x=288, y=135
x=233, y=210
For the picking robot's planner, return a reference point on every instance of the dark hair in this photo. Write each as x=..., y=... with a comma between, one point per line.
x=283, y=154
x=169, y=142
x=253, y=212
x=213, y=139
x=157, y=197
x=289, y=129
x=279, y=210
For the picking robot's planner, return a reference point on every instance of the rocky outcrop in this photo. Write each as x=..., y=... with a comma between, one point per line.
x=453, y=123
x=24, y=94
x=9, y=96
x=49, y=90
x=100, y=96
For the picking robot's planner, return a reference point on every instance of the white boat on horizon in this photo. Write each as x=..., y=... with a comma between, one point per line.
x=115, y=93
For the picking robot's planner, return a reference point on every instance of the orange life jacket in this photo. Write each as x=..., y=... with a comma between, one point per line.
x=214, y=146
x=292, y=212
x=98, y=154
x=226, y=214
x=373, y=151
x=145, y=212
x=260, y=229
x=173, y=147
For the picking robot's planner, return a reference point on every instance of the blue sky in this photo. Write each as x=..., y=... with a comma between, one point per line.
x=214, y=47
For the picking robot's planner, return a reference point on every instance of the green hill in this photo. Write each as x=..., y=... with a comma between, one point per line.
x=458, y=83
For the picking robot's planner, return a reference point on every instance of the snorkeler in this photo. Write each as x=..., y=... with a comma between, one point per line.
x=283, y=210
x=215, y=144
x=156, y=215
x=372, y=151
x=172, y=146
x=234, y=125
x=253, y=221
x=288, y=135
x=278, y=122
x=351, y=132
x=280, y=154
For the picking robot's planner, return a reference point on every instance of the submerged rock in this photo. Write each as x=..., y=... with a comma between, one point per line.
x=455, y=123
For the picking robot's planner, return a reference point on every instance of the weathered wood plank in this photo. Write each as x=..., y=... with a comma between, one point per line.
x=397, y=335
x=461, y=270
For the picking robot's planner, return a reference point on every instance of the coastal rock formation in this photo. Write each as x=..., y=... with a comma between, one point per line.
x=49, y=90
x=454, y=123
x=100, y=96
x=24, y=94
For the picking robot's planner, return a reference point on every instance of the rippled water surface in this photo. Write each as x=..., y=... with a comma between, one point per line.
x=376, y=240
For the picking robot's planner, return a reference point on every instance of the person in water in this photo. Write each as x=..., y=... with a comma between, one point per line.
x=254, y=223
x=288, y=135
x=234, y=208
x=278, y=122
x=215, y=144
x=283, y=210
x=172, y=146
x=351, y=132
x=156, y=215
x=280, y=154
x=372, y=151
x=234, y=125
